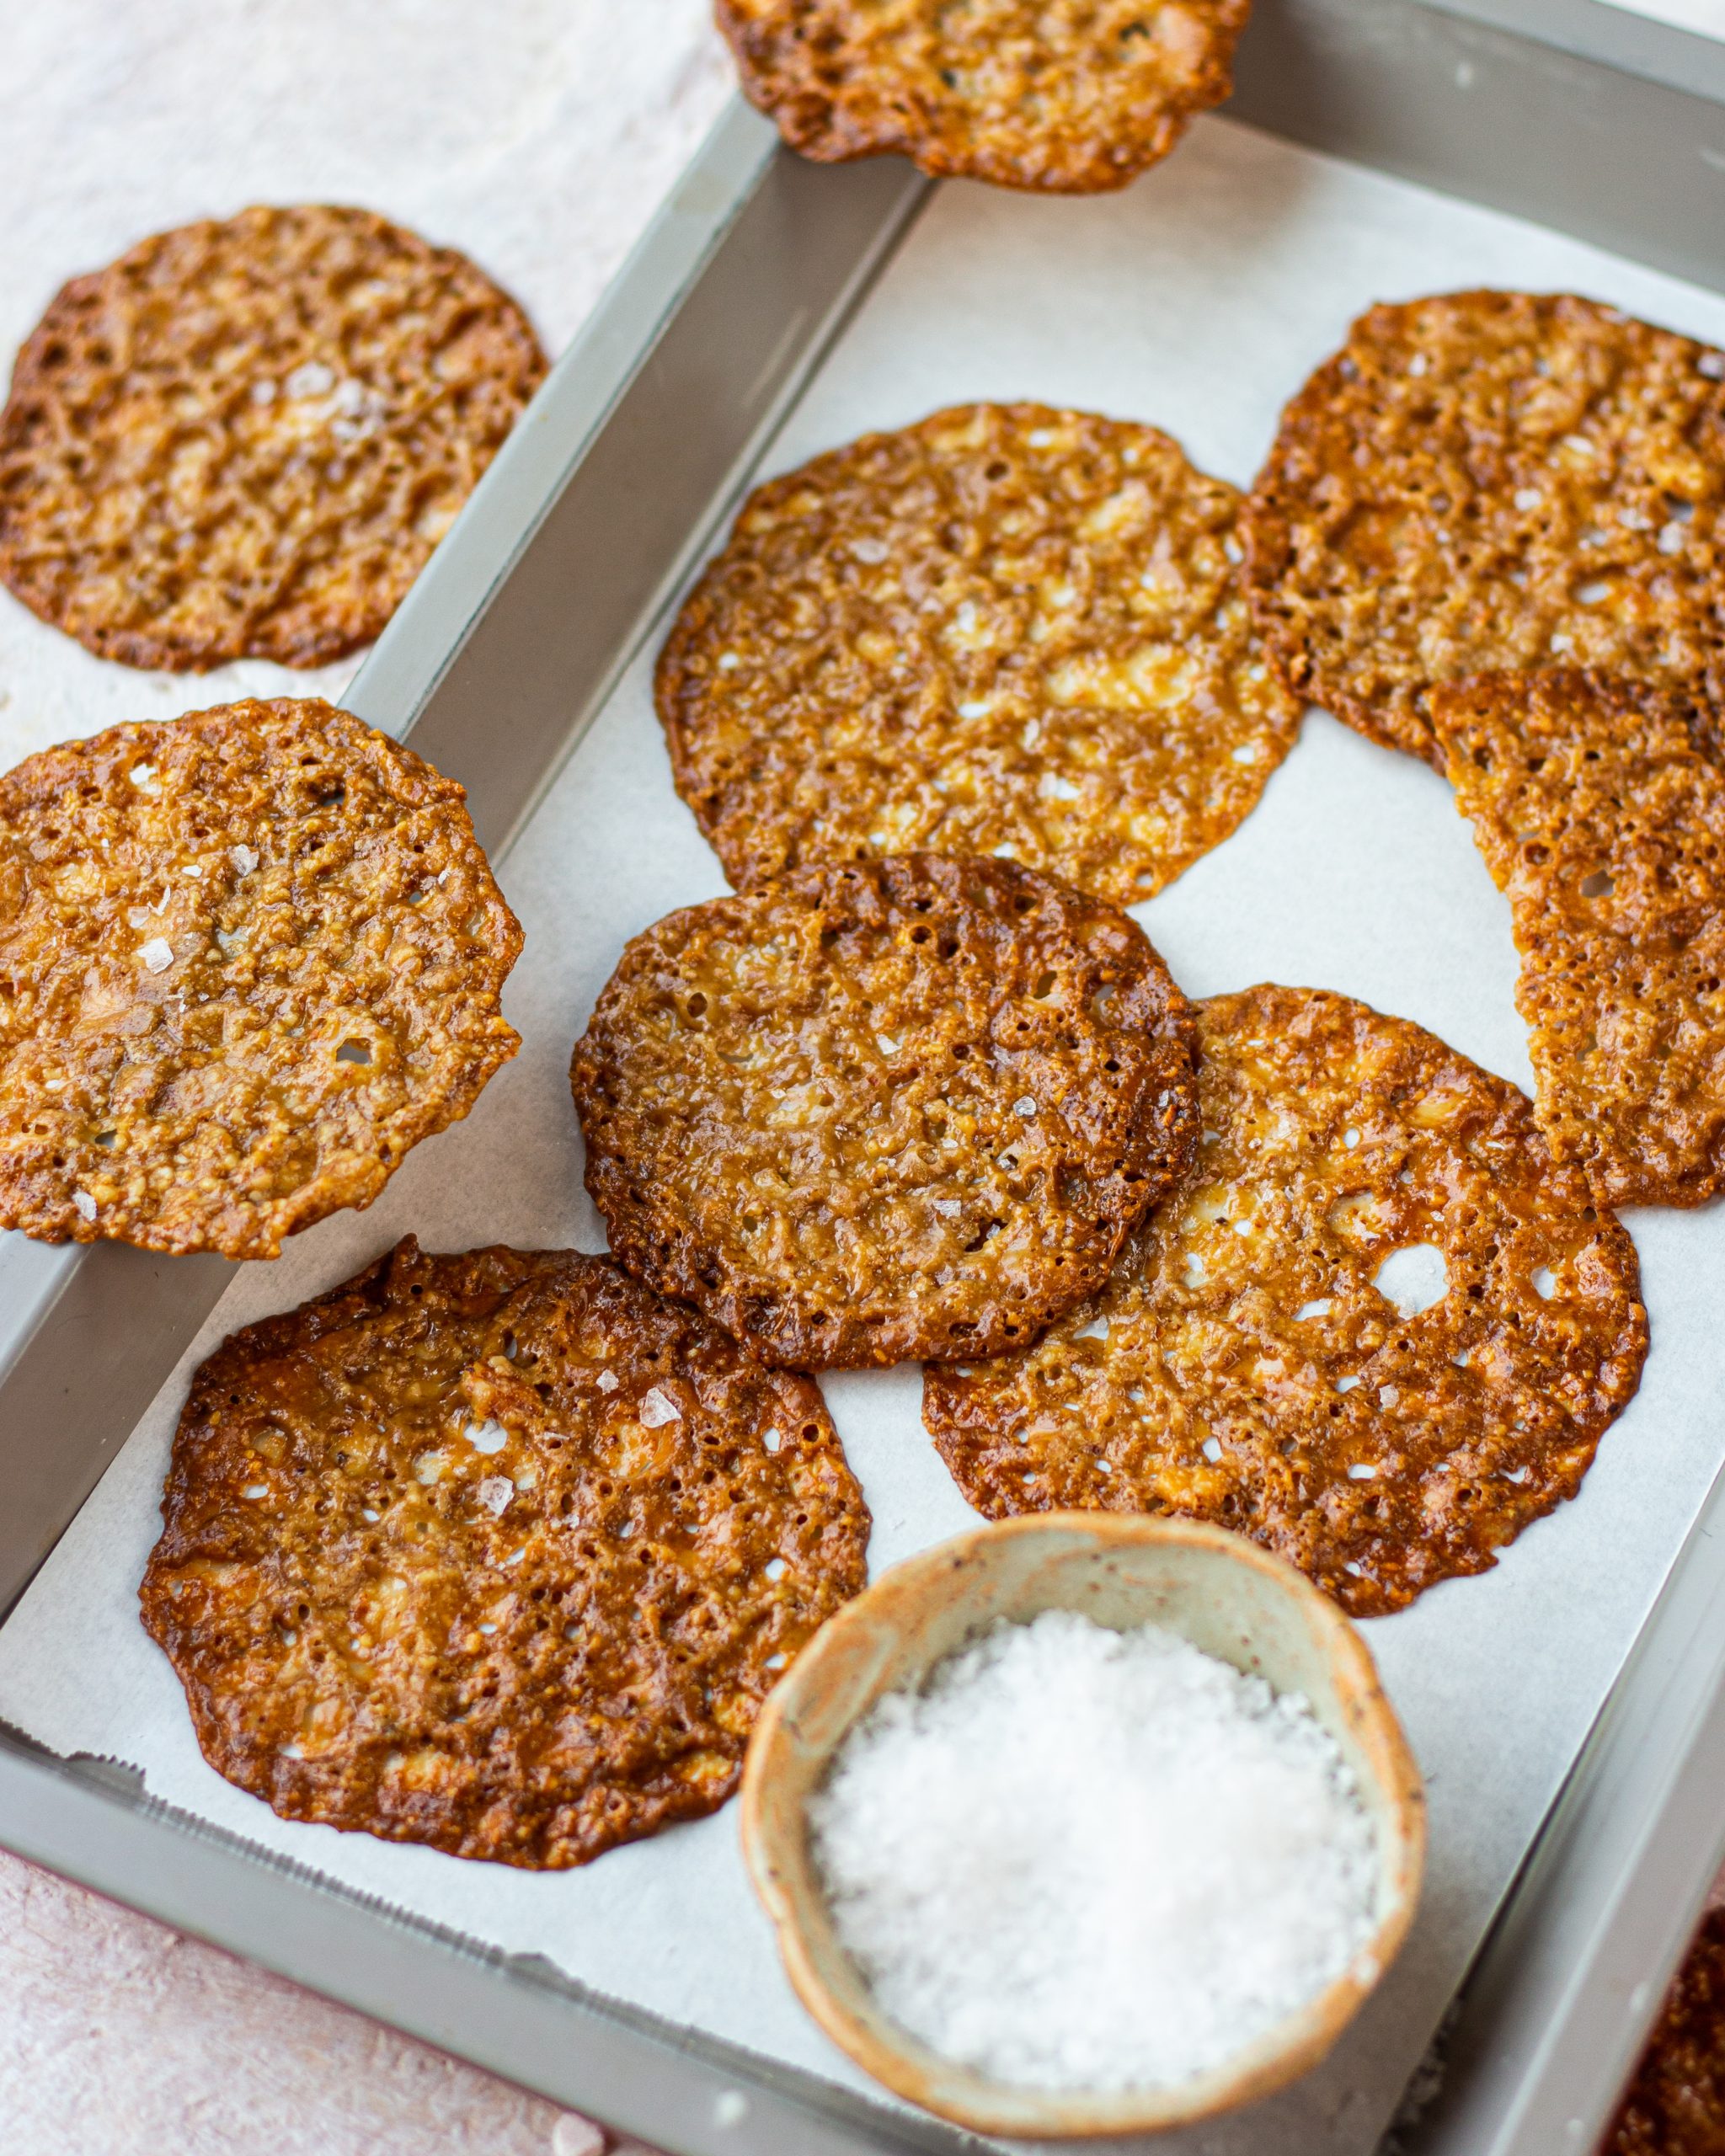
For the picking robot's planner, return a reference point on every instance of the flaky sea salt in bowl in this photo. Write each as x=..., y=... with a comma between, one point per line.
x=1032, y=1872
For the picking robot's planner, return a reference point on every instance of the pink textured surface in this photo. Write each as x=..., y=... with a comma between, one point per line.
x=118, y=2037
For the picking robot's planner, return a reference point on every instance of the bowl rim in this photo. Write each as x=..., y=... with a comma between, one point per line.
x=784, y=1878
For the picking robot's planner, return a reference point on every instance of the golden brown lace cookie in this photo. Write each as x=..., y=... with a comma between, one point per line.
x=1006, y=631
x=862, y=1114
x=1489, y=481
x=1675, y=2106
x=498, y=1552
x=248, y=960
x=242, y=440
x=1068, y=97
x=1376, y=1329
x=1602, y=818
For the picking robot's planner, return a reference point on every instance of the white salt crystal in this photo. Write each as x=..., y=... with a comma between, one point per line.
x=242, y=858
x=313, y=379
x=1089, y=1860
x=657, y=1408
x=487, y=1436
x=606, y=1381
x=157, y=954
x=495, y=1492
x=85, y=1205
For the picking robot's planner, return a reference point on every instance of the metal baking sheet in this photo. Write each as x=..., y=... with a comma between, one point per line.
x=1197, y=300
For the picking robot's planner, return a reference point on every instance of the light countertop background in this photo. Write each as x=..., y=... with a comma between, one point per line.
x=538, y=135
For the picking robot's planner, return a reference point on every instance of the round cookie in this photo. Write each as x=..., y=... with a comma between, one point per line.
x=1599, y=807
x=1675, y=2106
x=497, y=1552
x=1069, y=97
x=864, y=1114
x=1008, y=630
x=242, y=440
x=248, y=960
x=1377, y=1330
x=1492, y=481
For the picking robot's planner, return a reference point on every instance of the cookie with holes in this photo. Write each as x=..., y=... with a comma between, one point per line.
x=1599, y=807
x=1070, y=97
x=1492, y=481
x=1009, y=630
x=1377, y=1329
x=248, y=960
x=904, y=1109
x=498, y=1552
x=243, y=439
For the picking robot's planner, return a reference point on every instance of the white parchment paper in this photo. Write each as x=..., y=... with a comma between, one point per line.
x=1198, y=299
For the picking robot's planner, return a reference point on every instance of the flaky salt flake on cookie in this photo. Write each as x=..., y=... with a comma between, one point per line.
x=1070, y=97
x=864, y=1114
x=1492, y=481
x=1378, y=1329
x=1599, y=807
x=242, y=440
x=434, y=1568
x=1008, y=630
x=248, y=960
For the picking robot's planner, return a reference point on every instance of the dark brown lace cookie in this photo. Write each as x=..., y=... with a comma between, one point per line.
x=248, y=960
x=1377, y=1329
x=1675, y=2106
x=1602, y=815
x=1006, y=631
x=864, y=1114
x=1492, y=481
x=242, y=440
x=498, y=1552
x=1066, y=96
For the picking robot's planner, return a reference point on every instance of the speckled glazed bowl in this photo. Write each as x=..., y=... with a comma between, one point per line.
x=1227, y=1597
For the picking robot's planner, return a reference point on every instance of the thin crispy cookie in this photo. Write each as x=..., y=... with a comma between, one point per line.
x=1492, y=481
x=1257, y=1360
x=1006, y=631
x=248, y=960
x=1068, y=97
x=1675, y=2106
x=905, y=1108
x=1605, y=822
x=242, y=440
x=497, y=1552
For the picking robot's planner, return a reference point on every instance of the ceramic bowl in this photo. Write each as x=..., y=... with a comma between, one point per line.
x=1229, y=1599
